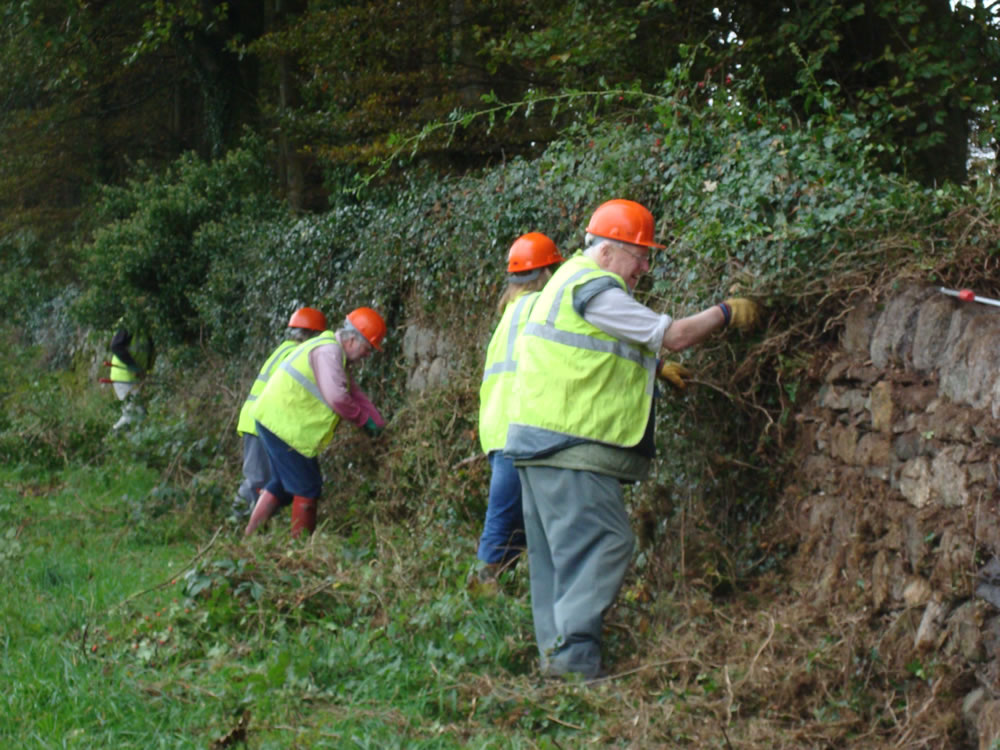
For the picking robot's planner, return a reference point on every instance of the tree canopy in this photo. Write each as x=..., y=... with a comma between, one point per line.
x=90, y=89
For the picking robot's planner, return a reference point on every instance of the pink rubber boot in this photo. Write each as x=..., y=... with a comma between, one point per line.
x=266, y=506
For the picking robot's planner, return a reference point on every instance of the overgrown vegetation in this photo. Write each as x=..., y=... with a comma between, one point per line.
x=139, y=618
x=130, y=627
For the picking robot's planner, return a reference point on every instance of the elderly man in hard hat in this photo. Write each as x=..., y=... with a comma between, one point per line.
x=530, y=263
x=301, y=406
x=581, y=422
x=305, y=323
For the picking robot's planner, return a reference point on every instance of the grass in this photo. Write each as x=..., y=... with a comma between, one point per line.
x=68, y=562
x=114, y=636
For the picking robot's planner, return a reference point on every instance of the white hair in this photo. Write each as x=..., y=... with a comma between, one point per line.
x=348, y=329
x=592, y=244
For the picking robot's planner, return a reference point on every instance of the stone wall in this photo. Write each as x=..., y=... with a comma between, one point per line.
x=895, y=501
x=425, y=351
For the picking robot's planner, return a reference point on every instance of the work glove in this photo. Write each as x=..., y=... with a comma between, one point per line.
x=674, y=373
x=371, y=428
x=743, y=313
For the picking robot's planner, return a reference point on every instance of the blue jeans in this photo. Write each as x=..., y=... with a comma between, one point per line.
x=503, y=530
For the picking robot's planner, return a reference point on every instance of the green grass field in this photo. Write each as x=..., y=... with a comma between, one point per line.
x=124, y=631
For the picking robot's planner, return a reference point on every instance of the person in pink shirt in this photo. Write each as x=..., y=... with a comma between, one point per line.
x=299, y=409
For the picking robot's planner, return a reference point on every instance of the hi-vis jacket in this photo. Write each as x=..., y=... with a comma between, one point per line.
x=574, y=382
x=246, y=422
x=120, y=372
x=498, y=376
x=291, y=405
x=138, y=346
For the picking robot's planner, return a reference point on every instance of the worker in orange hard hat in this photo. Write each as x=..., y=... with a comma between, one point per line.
x=531, y=261
x=305, y=323
x=581, y=423
x=301, y=406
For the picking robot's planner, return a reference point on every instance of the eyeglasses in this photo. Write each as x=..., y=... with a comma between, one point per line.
x=647, y=258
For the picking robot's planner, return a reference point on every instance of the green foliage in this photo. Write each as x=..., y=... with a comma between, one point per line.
x=744, y=190
x=920, y=74
x=756, y=193
x=48, y=49
x=36, y=426
x=91, y=89
x=357, y=72
x=152, y=256
x=743, y=195
x=27, y=283
x=166, y=21
x=76, y=114
x=577, y=44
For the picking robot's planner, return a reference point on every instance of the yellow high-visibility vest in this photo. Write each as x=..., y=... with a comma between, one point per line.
x=246, y=421
x=141, y=349
x=291, y=405
x=120, y=373
x=498, y=373
x=574, y=382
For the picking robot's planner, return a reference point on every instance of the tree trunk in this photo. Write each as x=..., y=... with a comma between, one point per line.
x=291, y=164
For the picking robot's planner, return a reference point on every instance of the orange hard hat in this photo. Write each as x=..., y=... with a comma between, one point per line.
x=623, y=220
x=369, y=324
x=309, y=318
x=530, y=251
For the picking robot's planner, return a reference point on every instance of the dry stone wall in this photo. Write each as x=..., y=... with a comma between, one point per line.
x=895, y=503
x=426, y=353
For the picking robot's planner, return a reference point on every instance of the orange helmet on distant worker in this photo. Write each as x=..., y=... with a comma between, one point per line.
x=309, y=318
x=530, y=251
x=369, y=324
x=625, y=221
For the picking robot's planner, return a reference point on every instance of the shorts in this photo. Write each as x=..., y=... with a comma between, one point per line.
x=291, y=472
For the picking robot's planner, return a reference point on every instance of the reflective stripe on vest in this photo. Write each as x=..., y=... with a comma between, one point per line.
x=246, y=420
x=498, y=375
x=291, y=404
x=573, y=379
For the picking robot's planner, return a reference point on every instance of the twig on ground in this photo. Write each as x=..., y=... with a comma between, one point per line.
x=910, y=722
x=469, y=460
x=760, y=651
x=730, y=698
x=312, y=592
x=173, y=578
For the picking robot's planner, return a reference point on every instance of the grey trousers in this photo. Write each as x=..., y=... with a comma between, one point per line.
x=580, y=545
x=256, y=469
